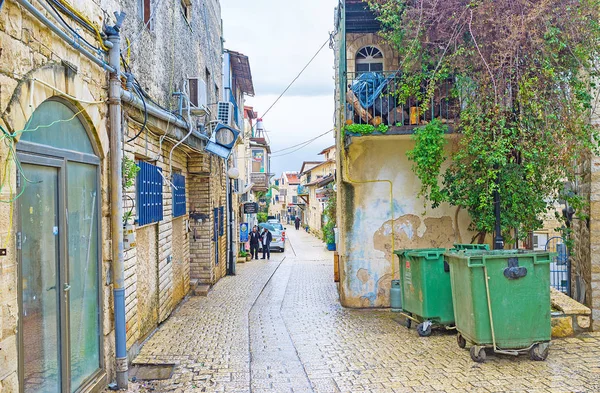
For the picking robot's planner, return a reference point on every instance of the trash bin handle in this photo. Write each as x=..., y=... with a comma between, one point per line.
x=476, y=263
x=547, y=258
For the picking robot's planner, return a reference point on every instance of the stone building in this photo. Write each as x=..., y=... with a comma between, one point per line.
x=378, y=207
x=68, y=278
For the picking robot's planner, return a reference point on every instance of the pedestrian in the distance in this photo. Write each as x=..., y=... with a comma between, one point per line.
x=254, y=242
x=297, y=222
x=266, y=237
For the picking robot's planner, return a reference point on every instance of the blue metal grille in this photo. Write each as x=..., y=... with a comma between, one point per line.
x=178, y=195
x=149, y=194
x=221, y=221
x=216, y=224
x=560, y=267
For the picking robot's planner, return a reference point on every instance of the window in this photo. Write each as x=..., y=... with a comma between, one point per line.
x=294, y=199
x=207, y=79
x=369, y=59
x=186, y=9
x=221, y=221
x=147, y=13
x=258, y=161
x=149, y=194
x=179, y=208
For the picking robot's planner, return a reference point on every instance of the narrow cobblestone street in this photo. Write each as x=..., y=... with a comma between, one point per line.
x=278, y=327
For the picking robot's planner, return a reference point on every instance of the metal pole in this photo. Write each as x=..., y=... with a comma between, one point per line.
x=116, y=199
x=498, y=240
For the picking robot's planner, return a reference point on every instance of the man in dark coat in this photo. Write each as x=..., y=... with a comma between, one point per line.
x=255, y=240
x=297, y=222
x=267, y=238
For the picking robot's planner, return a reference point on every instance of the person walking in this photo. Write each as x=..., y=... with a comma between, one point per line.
x=266, y=237
x=297, y=222
x=254, y=242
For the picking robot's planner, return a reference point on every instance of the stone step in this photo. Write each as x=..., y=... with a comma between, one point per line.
x=200, y=290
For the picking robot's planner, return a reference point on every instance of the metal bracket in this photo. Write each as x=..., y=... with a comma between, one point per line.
x=513, y=271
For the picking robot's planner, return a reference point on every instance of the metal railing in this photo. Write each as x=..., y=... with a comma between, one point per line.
x=560, y=266
x=377, y=98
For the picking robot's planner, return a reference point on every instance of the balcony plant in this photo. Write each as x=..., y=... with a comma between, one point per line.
x=525, y=74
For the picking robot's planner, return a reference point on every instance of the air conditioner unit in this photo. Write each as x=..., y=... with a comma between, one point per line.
x=198, y=96
x=225, y=113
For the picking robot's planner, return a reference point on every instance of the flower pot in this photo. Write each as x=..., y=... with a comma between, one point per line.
x=331, y=246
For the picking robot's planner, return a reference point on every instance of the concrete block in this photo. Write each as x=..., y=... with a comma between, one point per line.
x=562, y=327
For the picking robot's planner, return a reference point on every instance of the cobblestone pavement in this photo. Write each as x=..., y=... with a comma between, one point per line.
x=278, y=327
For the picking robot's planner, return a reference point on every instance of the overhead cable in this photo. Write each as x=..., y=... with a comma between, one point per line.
x=297, y=76
x=303, y=145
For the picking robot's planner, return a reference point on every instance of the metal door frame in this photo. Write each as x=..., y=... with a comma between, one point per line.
x=42, y=155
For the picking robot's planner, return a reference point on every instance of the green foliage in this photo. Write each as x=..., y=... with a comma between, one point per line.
x=526, y=92
x=330, y=213
x=130, y=171
x=262, y=217
x=428, y=157
x=243, y=253
x=365, y=129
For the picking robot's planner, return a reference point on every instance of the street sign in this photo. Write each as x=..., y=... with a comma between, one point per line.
x=244, y=232
x=251, y=208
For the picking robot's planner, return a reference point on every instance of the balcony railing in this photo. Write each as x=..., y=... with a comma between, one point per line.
x=260, y=180
x=376, y=98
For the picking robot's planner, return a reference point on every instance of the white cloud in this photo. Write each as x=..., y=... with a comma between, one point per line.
x=280, y=37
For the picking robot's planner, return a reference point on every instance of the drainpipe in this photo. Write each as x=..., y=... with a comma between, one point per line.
x=74, y=43
x=116, y=199
x=230, y=221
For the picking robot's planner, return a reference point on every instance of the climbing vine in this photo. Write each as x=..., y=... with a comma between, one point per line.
x=524, y=74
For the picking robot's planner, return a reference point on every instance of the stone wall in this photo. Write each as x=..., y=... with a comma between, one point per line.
x=161, y=57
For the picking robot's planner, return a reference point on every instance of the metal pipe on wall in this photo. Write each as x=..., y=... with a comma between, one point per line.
x=74, y=43
x=116, y=199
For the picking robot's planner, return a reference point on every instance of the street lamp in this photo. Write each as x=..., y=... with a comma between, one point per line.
x=222, y=141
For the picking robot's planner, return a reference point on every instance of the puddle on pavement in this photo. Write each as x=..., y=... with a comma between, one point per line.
x=147, y=372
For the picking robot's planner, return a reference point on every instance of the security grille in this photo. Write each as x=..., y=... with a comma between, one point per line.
x=179, y=208
x=149, y=194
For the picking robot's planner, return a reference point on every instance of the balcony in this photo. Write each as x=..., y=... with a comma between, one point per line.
x=375, y=105
x=260, y=180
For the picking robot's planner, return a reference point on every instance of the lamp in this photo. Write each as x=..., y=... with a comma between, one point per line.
x=222, y=141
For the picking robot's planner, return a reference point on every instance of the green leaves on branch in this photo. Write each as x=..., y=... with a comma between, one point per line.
x=428, y=157
x=365, y=129
x=526, y=93
x=330, y=213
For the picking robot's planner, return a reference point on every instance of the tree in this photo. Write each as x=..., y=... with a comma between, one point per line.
x=524, y=72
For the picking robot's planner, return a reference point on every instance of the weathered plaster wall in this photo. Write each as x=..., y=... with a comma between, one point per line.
x=365, y=219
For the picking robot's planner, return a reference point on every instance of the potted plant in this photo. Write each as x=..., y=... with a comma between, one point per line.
x=242, y=256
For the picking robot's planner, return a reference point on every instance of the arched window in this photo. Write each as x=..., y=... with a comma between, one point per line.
x=369, y=59
x=60, y=254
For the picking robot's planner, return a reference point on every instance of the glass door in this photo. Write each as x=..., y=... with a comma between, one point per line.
x=40, y=279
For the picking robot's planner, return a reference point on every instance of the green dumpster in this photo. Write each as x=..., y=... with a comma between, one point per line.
x=485, y=247
x=426, y=292
x=510, y=310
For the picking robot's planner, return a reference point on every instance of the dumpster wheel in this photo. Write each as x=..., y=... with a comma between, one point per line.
x=424, y=329
x=477, y=353
x=462, y=342
x=539, y=351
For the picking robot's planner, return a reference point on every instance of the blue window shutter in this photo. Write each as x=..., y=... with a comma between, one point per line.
x=216, y=224
x=149, y=194
x=179, y=208
x=221, y=221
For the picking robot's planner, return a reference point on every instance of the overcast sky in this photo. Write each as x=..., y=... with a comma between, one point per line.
x=280, y=37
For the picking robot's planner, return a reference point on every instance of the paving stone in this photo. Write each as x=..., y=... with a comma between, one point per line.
x=277, y=326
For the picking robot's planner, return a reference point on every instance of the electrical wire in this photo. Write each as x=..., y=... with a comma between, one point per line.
x=297, y=76
x=145, y=115
x=62, y=93
x=139, y=34
x=302, y=143
x=85, y=20
x=68, y=26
